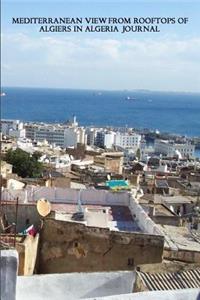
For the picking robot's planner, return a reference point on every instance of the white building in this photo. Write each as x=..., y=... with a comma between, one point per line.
x=99, y=140
x=19, y=133
x=59, y=135
x=170, y=148
x=53, y=134
x=109, y=139
x=13, y=128
x=82, y=137
x=104, y=138
x=91, y=136
x=73, y=136
x=70, y=137
x=128, y=140
x=25, y=145
x=58, y=162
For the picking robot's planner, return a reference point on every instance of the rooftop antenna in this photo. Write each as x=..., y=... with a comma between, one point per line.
x=79, y=215
x=16, y=220
x=80, y=208
x=1, y=136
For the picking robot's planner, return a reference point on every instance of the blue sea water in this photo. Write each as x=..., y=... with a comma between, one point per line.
x=168, y=112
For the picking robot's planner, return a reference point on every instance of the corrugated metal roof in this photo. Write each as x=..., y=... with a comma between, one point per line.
x=171, y=281
x=195, y=235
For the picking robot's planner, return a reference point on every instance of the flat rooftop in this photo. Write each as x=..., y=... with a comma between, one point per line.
x=179, y=199
x=114, y=217
x=181, y=237
x=159, y=209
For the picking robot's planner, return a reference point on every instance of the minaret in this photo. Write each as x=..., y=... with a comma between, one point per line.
x=75, y=123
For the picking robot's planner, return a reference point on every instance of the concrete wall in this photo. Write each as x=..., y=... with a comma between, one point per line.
x=73, y=247
x=188, y=207
x=27, y=254
x=144, y=221
x=62, y=182
x=182, y=255
x=186, y=294
x=111, y=164
x=167, y=220
x=114, y=165
x=8, y=274
x=61, y=195
x=74, y=286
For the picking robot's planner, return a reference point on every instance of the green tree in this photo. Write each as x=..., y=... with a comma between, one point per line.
x=138, y=154
x=24, y=164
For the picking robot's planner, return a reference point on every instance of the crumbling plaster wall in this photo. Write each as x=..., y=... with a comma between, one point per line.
x=27, y=251
x=74, y=247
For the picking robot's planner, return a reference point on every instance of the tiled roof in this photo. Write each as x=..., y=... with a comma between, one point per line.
x=171, y=281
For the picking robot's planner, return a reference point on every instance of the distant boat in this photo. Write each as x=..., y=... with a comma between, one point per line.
x=97, y=94
x=3, y=94
x=130, y=98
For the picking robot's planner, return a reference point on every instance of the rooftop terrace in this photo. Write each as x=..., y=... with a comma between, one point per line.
x=114, y=217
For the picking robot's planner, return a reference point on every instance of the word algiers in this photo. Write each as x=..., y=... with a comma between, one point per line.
x=53, y=28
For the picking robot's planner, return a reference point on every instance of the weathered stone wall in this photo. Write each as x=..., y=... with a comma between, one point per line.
x=110, y=163
x=62, y=182
x=73, y=247
x=182, y=255
x=167, y=266
x=114, y=164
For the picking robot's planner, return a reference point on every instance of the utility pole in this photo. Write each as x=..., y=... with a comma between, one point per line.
x=0, y=170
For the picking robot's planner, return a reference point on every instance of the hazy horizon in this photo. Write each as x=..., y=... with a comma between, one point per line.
x=101, y=89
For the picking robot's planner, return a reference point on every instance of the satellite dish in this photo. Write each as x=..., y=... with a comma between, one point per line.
x=43, y=207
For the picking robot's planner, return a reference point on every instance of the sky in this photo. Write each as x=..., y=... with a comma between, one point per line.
x=168, y=60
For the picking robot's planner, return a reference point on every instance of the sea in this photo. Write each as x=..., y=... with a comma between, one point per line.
x=171, y=112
